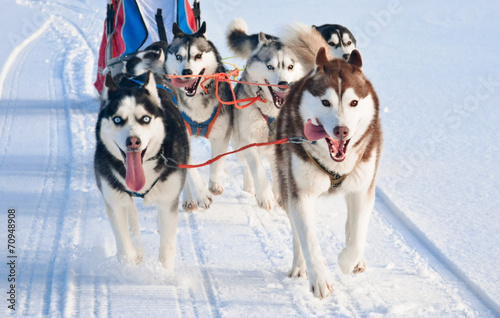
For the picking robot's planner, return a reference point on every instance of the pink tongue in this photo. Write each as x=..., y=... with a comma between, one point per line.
x=314, y=132
x=281, y=94
x=135, y=174
x=179, y=83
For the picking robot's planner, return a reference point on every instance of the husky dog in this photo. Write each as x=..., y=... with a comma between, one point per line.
x=137, y=128
x=269, y=61
x=151, y=58
x=336, y=107
x=340, y=40
x=193, y=54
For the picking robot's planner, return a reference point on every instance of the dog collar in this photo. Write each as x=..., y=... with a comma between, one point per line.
x=335, y=178
x=141, y=195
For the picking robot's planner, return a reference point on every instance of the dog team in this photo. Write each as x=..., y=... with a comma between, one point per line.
x=311, y=86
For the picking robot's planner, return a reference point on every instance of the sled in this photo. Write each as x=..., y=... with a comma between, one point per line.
x=132, y=25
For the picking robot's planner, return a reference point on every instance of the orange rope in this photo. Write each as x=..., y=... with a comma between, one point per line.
x=226, y=77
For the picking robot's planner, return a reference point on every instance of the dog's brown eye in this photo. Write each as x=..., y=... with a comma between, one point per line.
x=290, y=67
x=354, y=103
x=331, y=43
x=349, y=43
x=325, y=103
x=197, y=56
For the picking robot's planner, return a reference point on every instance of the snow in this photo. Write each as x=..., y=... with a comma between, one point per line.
x=432, y=247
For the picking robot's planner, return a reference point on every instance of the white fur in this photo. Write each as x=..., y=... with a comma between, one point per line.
x=312, y=182
x=251, y=127
x=120, y=207
x=196, y=193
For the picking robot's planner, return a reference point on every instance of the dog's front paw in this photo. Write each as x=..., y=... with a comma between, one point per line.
x=199, y=199
x=189, y=206
x=321, y=282
x=298, y=272
x=266, y=199
x=215, y=188
x=130, y=256
x=351, y=262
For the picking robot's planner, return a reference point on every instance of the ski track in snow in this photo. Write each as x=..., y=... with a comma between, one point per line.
x=66, y=271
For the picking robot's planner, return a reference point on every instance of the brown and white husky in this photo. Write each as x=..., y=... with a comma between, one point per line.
x=336, y=108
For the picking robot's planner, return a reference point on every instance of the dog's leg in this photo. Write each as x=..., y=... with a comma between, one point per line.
x=299, y=264
x=263, y=191
x=359, y=207
x=133, y=219
x=218, y=146
x=118, y=216
x=248, y=185
x=198, y=194
x=302, y=215
x=167, y=225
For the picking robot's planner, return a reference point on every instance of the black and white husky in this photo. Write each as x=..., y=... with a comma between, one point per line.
x=204, y=116
x=269, y=61
x=336, y=107
x=137, y=128
x=340, y=40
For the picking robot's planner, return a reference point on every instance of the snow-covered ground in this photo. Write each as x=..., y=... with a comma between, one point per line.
x=433, y=244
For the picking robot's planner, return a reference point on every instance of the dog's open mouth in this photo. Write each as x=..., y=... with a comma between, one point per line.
x=337, y=147
x=190, y=84
x=135, y=177
x=278, y=96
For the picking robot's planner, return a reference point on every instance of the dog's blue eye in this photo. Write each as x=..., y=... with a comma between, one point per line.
x=270, y=67
x=146, y=119
x=178, y=57
x=117, y=120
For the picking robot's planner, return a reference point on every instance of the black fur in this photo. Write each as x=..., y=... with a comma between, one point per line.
x=327, y=30
x=175, y=144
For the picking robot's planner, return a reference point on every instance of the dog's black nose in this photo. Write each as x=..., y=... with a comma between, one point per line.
x=133, y=143
x=187, y=72
x=346, y=56
x=341, y=132
x=283, y=83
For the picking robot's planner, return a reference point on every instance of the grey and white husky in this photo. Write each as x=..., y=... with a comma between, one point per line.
x=336, y=107
x=137, y=128
x=269, y=61
x=194, y=54
x=340, y=40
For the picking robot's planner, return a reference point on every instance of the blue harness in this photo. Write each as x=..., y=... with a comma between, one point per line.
x=201, y=129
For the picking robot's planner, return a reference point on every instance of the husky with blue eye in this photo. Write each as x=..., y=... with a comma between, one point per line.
x=138, y=127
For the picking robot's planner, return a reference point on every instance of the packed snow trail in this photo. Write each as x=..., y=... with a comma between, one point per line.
x=232, y=259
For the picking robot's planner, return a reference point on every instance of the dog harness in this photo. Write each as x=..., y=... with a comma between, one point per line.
x=141, y=84
x=271, y=124
x=201, y=129
x=335, y=178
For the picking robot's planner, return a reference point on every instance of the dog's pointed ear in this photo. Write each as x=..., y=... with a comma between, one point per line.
x=263, y=39
x=109, y=87
x=355, y=59
x=161, y=56
x=321, y=58
x=176, y=30
x=202, y=29
x=150, y=86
